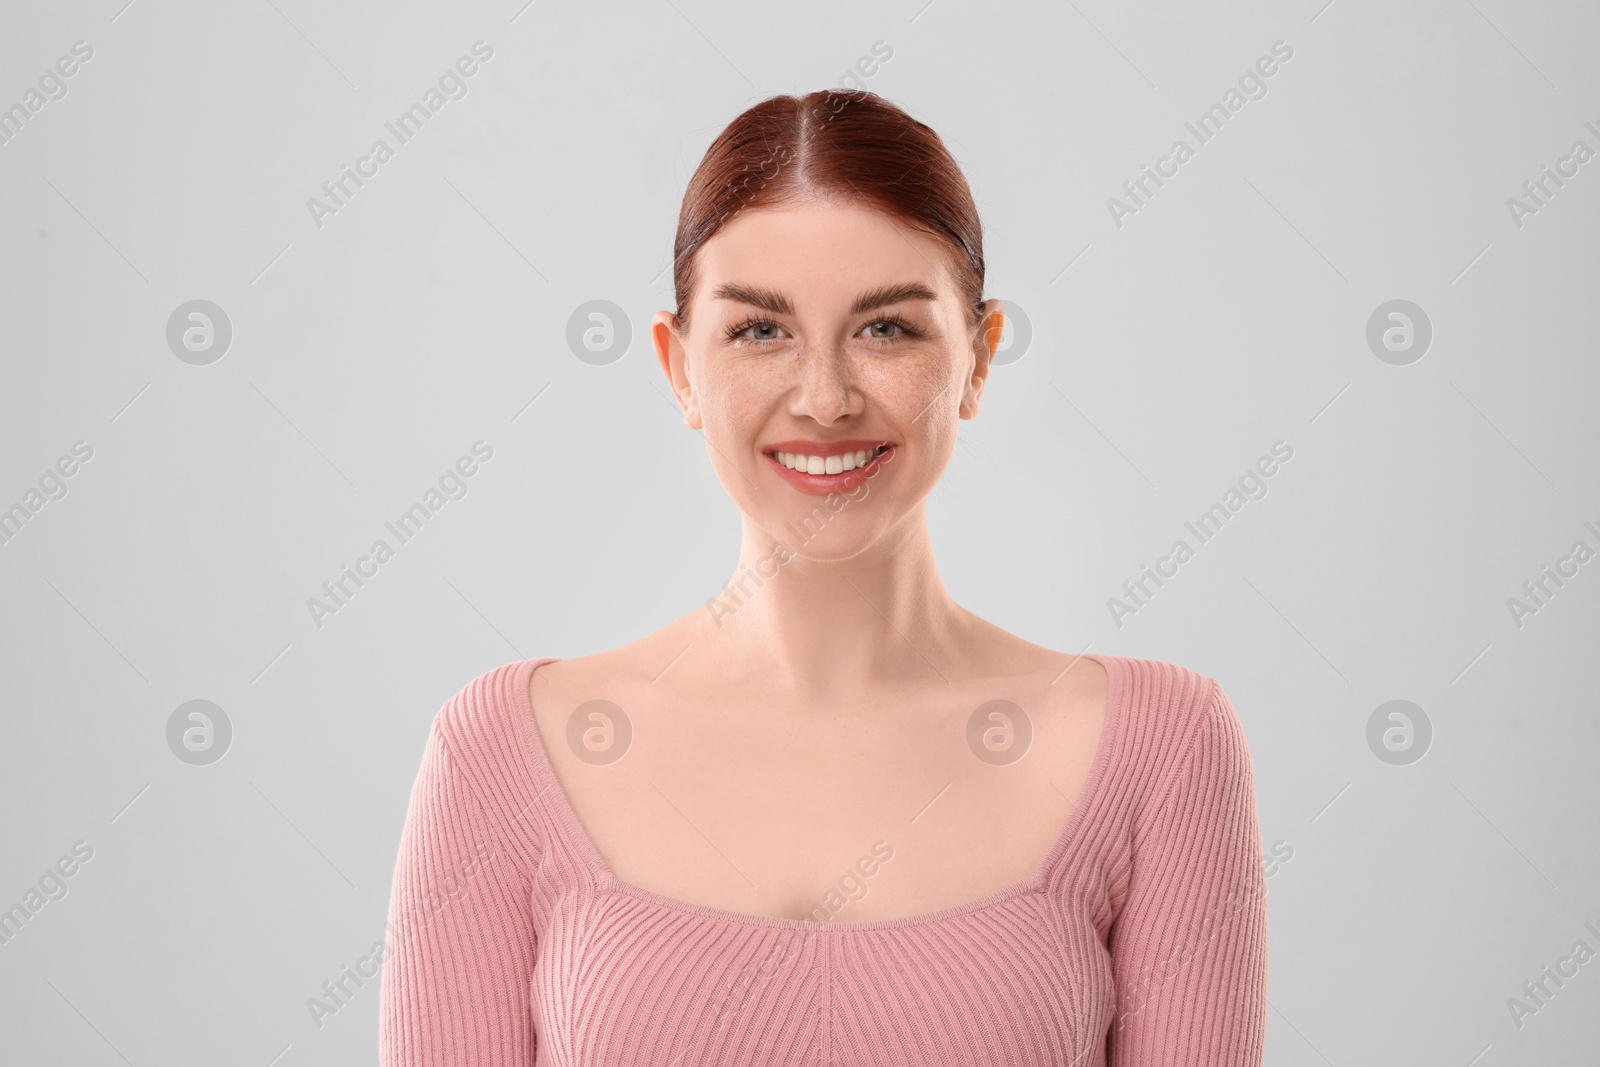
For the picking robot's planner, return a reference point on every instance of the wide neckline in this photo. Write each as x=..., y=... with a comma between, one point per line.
x=608, y=881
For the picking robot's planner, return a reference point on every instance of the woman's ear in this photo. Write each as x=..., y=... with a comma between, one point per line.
x=674, y=360
x=985, y=342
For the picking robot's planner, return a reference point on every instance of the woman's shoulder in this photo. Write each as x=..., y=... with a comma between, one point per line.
x=477, y=779
x=487, y=726
x=1168, y=696
x=1167, y=714
x=1148, y=702
x=504, y=720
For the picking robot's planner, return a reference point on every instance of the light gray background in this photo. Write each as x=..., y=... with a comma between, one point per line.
x=431, y=311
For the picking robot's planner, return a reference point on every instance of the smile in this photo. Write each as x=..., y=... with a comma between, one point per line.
x=836, y=464
x=840, y=472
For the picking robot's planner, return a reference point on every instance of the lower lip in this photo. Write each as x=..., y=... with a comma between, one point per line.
x=823, y=484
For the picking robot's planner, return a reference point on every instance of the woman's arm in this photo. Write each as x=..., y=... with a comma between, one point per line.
x=459, y=947
x=1189, y=946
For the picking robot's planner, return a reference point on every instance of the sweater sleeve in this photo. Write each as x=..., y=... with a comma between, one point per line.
x=1189, y=946
x=459, y=947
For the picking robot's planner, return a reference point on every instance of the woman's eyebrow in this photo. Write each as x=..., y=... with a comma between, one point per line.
x=892, y=294
x=777, y=303
x=766, y=299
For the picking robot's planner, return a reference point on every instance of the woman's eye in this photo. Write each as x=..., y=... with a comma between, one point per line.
x=890, y=329
x=755, y=331
x=763, y=331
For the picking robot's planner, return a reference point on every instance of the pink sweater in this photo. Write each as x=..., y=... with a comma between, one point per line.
x=1138, y=941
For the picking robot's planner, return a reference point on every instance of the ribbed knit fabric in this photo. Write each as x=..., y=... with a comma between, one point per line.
x=1138, y=941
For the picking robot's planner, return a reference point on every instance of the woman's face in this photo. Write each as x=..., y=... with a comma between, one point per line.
x=824, y=330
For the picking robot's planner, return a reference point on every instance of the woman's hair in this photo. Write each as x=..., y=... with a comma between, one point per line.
x=842, y=144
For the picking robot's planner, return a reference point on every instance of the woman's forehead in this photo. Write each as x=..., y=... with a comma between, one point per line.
x=820, y=257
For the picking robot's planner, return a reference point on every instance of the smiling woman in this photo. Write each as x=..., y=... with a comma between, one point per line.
x=1076, y=873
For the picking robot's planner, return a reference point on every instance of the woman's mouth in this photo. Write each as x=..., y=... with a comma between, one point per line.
x=820, y=475
x=844, y=461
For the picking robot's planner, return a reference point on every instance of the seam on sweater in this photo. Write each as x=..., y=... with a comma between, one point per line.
x=1203, y=722
x=458, y=772
x=825, y=1046
x=533, y=765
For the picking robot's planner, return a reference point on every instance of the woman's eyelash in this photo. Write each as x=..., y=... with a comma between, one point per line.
x=733, y=332
x=895, y=320
x=907, y=328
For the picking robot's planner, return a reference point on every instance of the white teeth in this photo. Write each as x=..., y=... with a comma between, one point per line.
x=835, y=464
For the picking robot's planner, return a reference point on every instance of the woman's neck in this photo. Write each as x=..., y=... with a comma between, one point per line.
x=822, y=628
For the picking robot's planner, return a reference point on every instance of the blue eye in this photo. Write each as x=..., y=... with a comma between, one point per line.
x=734, y=333
x=737, y=334
x=905, y=328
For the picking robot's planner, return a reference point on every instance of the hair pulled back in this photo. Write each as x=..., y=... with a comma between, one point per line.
x=848, y=145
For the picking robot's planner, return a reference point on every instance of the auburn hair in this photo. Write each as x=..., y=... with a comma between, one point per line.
x=849, y=145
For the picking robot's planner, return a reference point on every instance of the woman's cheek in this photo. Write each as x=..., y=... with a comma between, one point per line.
x=924, y=393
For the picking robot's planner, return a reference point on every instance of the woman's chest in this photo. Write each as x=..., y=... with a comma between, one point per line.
x=621, y=980
x=854, y=818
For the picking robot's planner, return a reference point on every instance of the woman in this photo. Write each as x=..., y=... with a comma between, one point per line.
x=832, y=816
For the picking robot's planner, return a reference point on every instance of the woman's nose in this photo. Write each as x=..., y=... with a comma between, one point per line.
x=826, y=389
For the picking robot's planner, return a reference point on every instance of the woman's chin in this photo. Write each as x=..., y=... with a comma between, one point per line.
x=824, y=546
